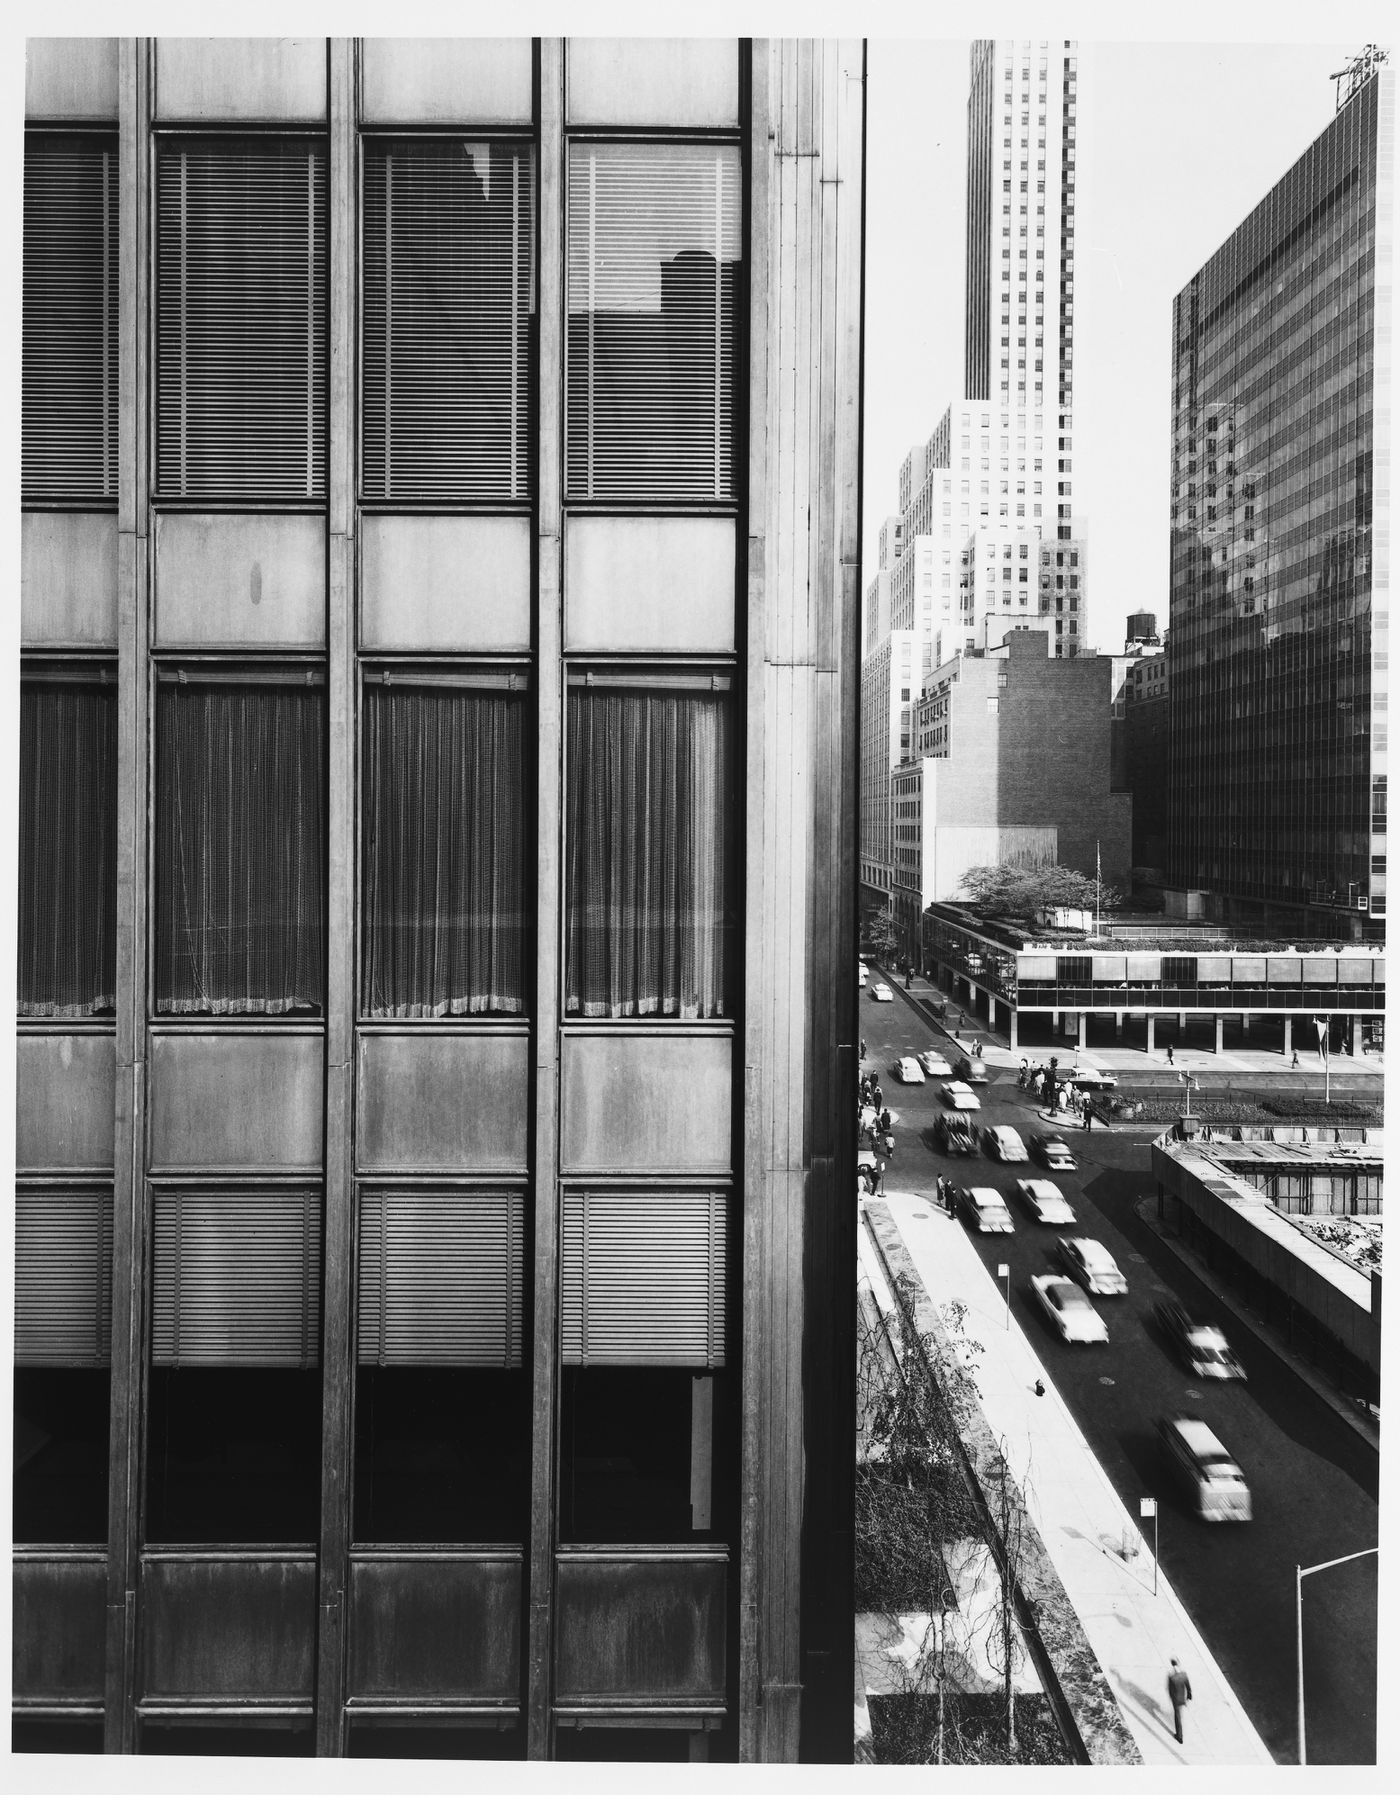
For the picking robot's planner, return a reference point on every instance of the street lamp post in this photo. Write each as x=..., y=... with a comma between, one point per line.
x=1308, y=1570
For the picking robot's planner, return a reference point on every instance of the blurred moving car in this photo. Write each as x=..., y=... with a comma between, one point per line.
x=1051, y=1151
x=983, y=1209
x=908, y=1070
x=1094, y=1266
x=1002, y=1142
x=881, y=993
x=935, y=1064
x=1045, y=1201
x=972, y=1067
x=960, y=1096
x=1212, y=1482
x=1201, y=1347
x=955, y=1134
x=1068, y=1309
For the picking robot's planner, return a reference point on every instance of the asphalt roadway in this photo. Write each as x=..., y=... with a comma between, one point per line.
x=1313, y=1480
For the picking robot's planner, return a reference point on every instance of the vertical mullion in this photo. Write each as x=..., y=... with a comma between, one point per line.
x=514, y=314
x=592, y=301
x=184, y=320
x=549, y=763
x=130, y=1210
x=388, y=324
x=719, y=307
x=338, y=1358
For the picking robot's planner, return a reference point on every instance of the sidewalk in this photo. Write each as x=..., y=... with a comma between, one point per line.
x=1134, y=1633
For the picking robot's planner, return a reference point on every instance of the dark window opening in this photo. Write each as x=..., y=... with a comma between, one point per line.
x=442, y=1456
x=648, y=825
x=61, y=1426
x=653, y=302
x=449, y=299
x=233, y=1456
x=240, y=924
x=72, y=1737
x=444, y=850
x=625, y=1744
x=241, y=317
x=481, y=1742
x=228, y=1741
x=67, y=849
x=69, y=400
x=644, y=1455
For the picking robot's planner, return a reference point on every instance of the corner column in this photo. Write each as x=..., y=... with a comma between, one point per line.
x=1151, y=1033
x=1220, y=1034
x=1288, y=1037
x=338, y=1333
x=539, y=1570
x=129, y=1210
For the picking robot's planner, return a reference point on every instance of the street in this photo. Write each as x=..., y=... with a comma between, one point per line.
x=1313, y=1480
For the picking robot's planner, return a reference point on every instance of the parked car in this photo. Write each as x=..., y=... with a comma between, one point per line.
x=1002, y=1142
x=935, y=1064
x=881, y=993
x=1088, y=1078
x=1052, y=1152
x=983, y=1209
x=1201, y=1347
x=1212, y=1482
x=1070, y=1312
x=908, y=1070
x=955, y=1134
x=972, y=1068
x=1045, y=1201
x=861, y=972
x=1093, y=1265
x=867, y=1172
x=960, y=1096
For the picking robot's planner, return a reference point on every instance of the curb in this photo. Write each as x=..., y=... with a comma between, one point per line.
x=1145, y=1208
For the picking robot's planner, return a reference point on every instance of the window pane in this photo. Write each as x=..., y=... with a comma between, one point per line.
x=653, y=285
x=240, y=849
x=648, y=851
x=443, y=852
x=241, y=317
x=67, y=850
x=448, y=300
x=70, y=317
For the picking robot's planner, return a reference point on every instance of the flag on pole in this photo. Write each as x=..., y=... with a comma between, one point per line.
x=1321, y=1025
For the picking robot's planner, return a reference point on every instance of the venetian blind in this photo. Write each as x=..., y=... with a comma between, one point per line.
x=441, y=1278
x=69, y=385
x=241, y=318
x=642, y=1278
x=653, y=280
x=448, y=301
x=63, y=1276
x=236, y=1277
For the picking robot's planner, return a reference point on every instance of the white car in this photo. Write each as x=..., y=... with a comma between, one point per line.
x=908, y=1070
x=1073, y=1316
x=1003, y=1142
x=882, y=993
x=1094, y=1266
x=935, y=1064
x=984, y=1209
x=860, y=971
x=960, y=1096
x=1045, y=1201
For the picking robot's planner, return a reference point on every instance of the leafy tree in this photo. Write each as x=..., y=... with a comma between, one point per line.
x=879, y=935
x=1036, y=890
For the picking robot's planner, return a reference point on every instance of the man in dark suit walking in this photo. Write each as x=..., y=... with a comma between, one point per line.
x=1179, y=1693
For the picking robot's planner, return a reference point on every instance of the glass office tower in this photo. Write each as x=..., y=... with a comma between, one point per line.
x=1279, y=571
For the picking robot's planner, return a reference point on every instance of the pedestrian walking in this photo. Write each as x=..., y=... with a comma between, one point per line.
x=1294, y=1060
x=885, y=1120
x=1179, y=1694
x=1171, y=1057
x=862, y=1047
x=1088, y=1118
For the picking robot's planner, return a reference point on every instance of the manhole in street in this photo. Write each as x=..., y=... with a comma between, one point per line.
x=1194, y=1396
x=1137, y=1259
x=1107, y=1380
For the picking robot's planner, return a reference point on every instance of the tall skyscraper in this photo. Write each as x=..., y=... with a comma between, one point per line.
x=985, y=538
x=1019, y=352
x=1279, y=582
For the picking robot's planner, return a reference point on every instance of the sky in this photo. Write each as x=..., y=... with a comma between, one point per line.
x=1177, y=144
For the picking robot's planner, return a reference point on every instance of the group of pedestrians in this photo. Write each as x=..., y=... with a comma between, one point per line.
x=876, y=1127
